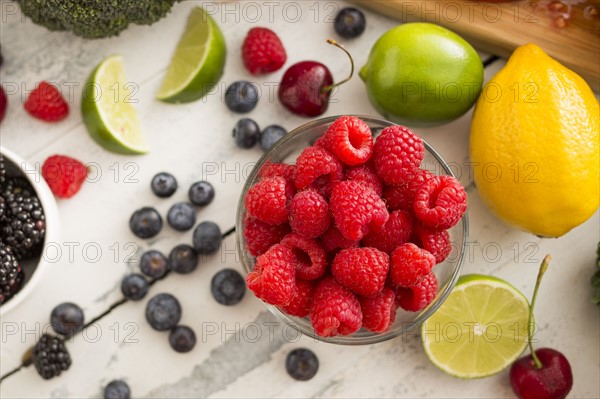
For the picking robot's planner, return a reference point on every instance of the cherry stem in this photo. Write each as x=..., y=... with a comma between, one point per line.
x=331, y=87
x=543, y=267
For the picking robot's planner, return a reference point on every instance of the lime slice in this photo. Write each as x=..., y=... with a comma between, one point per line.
x=479, y=330
x=198, y=62
x=107, y=110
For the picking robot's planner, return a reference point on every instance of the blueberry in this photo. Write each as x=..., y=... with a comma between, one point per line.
x=207, y=238
x=163, y=185
x=241, y=97
x=201, y=193
x=134, y=286
x=246, y=133
x=182, y=339
x=67, y=319
x=181, y=216
x=228, y=287
x=183, y=259
x=270, y=135
x=154, y=264
x=163, y=312
x=145, y=222
x=117, y=389
x=302, y=364
x=350, y=23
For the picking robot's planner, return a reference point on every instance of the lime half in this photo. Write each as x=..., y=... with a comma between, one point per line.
x=479, y=330
x=107, y=109
x=198, y=62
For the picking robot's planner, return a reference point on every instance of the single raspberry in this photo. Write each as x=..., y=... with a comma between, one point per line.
x=262, y=51
x=440, y=202
x=335, y=310
x=46, y=103
x=437, y=242
x=396, y=231
x=410, y=264
x=365, y=174
x=309, y=214
x=401, y=196
x=333, y=239
x=350, y=139
x=273, y=279
x=362, y=270
x=417, y=297
x=320, y=142
x=301, y=303
x=356, y=209
x=379, y=312
x=64, y=175
x=274, y=169
x=397, y=153
x=315, y=162
x=267, y=200
x=261, y=236
x=310, y=259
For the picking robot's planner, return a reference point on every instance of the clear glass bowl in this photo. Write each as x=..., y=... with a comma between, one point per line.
x=286, y=150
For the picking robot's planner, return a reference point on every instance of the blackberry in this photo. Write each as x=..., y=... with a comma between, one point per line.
x=302, y=364
x=10, y=271
x=182, y=339
x=2, y=170
x=50, y=357
x=67, y=319
x=117, y=389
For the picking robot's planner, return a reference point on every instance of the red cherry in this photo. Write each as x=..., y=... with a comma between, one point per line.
x=3, y=103
x=552, y=381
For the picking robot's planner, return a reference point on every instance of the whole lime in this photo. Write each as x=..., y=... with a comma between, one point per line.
x=422, y=74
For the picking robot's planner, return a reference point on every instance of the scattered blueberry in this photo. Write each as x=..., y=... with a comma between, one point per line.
x=302, y=364
x=183, y=259
x=163, y=312
x=181, y=216
x=207, y=238
x=117, y=389
x=228, y=287
x=154, y=264
x=201, y=193
x=134, y=286
x=241, y=97
x=350, y=23
x=163, y=185
x=67, y=319
x=270, y=135
x=145, y=222
x=246, y=133
x=182, y=339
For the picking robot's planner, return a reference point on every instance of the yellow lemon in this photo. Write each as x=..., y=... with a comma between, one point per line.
x=534, y=145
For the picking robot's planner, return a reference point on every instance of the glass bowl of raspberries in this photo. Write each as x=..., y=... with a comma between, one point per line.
x=352, y=230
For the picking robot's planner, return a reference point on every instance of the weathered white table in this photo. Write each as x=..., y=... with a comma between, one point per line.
x=236, y=356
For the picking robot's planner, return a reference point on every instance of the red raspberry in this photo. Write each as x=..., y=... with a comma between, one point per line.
x=315, y=162
x=437, y=242
x=310, y=260
x=350, y=139
x=46, y=103
x=397, y=230
x=274, y=279
x=309, y=214
x=333, y=240
x=397, y=153
x=410, y=264
x=356, y=209
x=440, y=202
x=262, y=51
x=401, y=196
x=362, y=270
x=365, y=174
x=273, y=169
x=301, y=303
x=64, y=175
x=267, y=200
x=335, y=310
x=379, y=312
x=320, y=142
x=261, y=236
x=417, y=297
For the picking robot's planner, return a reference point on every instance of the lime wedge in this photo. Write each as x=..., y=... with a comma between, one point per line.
x=198, y=62
x=107, y=110
x=479, y=330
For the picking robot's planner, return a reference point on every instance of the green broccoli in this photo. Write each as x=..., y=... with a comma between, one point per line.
x=94, y=18
x=596, y=279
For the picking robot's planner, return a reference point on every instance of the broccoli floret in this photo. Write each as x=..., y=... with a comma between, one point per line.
x=94, y=18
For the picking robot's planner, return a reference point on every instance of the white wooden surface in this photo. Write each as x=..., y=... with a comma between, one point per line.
x=194, y=141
